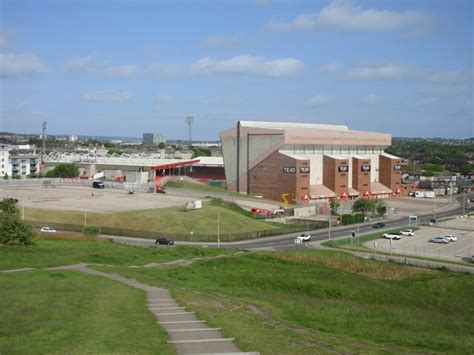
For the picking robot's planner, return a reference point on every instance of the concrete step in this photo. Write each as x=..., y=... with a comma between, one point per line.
x=176, y=318
x=174, y=326
x=207, y=347
x=201, y=335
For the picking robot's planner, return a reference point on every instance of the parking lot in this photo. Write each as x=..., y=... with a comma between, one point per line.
x=80, y=198
x=419, y=245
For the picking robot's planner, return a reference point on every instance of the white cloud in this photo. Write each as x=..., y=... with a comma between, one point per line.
x=5, y=37
x=370, y=99
x=14, y=65
x=107, y=96
x=383, y=72
x=343, y=15
x=319, y=100
x=122, y=70
x=89, y=64
x=223, y=42
x=450, y=77
x=165, y=69
x=83, y=65
x=247, y=65
x=329, y=68
x=164, y=98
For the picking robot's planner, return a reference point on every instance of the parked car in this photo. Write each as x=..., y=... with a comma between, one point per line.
x=304, y=237
x=451, y=237
x=442, y=240
x=407, y=232
x=48, y=230
x=97, y=184
x=391, y=236
x=164, y=241
x=378, y=225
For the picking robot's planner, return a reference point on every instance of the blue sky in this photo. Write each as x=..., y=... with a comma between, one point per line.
x=127, y=67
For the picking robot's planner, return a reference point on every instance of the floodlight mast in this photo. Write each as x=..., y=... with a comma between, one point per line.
x=43, y=137
x=189, y=121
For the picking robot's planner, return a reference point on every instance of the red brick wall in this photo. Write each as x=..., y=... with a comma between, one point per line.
x=390, y=173
x=334, y=179
x=279, y=174
x=360, y=178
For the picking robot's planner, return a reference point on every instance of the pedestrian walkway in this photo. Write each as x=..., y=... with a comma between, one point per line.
x=188, y=334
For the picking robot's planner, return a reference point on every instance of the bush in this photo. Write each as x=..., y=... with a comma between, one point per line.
x=64, y=170
x=352, y=218
x=13, y=231
x=91, y=230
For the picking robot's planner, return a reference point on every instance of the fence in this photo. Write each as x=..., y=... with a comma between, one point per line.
x=177, y=236
x=142, y=187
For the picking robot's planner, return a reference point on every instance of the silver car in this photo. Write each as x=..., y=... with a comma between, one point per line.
x=442, y=240
x=451, y=238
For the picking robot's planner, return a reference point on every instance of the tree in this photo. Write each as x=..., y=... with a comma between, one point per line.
x=363, y=206
x=5, y=177
x=64, y=170
x=13, y=231
x=465, y=169
x=334, y=204
x=381, y=208
x=161, y=145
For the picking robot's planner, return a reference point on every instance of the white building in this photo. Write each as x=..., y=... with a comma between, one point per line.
x=24, y=165
x=5, y=166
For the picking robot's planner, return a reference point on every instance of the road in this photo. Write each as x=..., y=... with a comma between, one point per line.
x=287, y=241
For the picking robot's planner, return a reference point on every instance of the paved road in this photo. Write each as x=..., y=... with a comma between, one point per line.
x=286, y=241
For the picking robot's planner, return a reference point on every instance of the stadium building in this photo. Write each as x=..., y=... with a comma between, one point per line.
x=309, y=163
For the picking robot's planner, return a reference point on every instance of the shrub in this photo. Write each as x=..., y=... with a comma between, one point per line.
x=352, y=218
x=13, y=231
x=90, y=230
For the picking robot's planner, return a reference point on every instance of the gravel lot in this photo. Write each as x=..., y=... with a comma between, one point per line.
x=419, y=245
x=81, y=198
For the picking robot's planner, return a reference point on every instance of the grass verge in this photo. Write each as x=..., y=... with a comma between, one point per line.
x=326, y=301
x=49, y=251
x=64, y=312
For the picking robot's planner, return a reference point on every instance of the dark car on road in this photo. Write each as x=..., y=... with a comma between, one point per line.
x=164, y=241
x=98, y=184
x=378, y=225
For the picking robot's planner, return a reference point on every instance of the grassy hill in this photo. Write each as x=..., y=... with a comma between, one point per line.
x=291, y=302
x=315, y=301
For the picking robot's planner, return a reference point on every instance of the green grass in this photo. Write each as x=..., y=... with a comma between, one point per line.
x=64, y=312
x=50, y=252
x=172, y=221
x=188, y=185
x=324, y=301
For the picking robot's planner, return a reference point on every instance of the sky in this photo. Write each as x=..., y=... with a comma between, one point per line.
x=122, y=68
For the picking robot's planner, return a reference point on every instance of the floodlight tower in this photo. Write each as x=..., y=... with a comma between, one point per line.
x=189, y=122
x=43, y=137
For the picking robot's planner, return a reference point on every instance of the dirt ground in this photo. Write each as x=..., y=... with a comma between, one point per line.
x=462, y=250
x=79, y=198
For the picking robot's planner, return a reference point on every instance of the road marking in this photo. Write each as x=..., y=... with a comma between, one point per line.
x=200, y=341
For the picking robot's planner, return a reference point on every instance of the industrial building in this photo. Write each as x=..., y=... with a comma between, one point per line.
x=309, y=163
x=139, y=168
x=153, y=139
